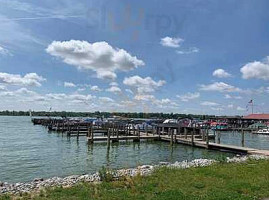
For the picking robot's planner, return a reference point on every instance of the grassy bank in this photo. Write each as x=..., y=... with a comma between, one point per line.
x=221, y=181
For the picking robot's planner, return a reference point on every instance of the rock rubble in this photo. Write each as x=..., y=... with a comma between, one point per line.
x=39, y=183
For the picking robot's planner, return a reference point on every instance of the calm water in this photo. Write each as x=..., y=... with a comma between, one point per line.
x=251, y=140
x=28, y=152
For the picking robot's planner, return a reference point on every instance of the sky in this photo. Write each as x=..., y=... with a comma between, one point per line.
x=180, y=56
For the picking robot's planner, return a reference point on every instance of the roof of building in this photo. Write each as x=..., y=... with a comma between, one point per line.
x=257, y=116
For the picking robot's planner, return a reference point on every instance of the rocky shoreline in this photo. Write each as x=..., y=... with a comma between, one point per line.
x=144, y=170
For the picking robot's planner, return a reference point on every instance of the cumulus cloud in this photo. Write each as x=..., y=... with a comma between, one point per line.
x=143, y=85
x=230, y=106
x=220, y=87
x=189, y=51
x=189, y=96
x=4, y=52
x=69, y=84
x=30, y=79
x=171, y=42
x=228, y=96
x=113, y=84
x=106, y=100
x=209, y=103
x=2, y=88
x=240, y=108
x=99, y=57
x=256, y=70
x=114, y=89
x=144, y=97
x=95, y=88
x=129, y=91
x=221, y=73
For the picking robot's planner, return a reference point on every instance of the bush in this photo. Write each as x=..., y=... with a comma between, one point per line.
x=105, y=174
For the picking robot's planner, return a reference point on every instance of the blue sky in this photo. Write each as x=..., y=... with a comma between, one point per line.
x=204, y=57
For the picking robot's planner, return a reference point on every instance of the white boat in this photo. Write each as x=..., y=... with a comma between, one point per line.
x=264, y=131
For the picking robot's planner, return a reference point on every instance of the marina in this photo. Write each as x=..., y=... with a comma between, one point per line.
x=113, y=131
x=76, y=146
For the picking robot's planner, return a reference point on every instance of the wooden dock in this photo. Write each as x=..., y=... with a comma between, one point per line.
x=124, y=130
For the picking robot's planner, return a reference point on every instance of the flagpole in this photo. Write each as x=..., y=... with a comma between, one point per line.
x=252, y=105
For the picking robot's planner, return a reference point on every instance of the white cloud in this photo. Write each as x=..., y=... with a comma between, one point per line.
x=99, y=57
x=95, y=88
x=240, y=108
x=129, y=91
x=189, y=96
x=227, y=96
x=256, y=70
x=2, y=88
x=171, y=42
x=220, y=87
x=69, y=84
x=209, y=103
x=230, y=106
x=114, y=89
x=221, y=73
x=113, y=84
x=143, y=85
x=144, y=97
x=4, y=52
x=106, y=99
x=81, y=89
x=189, y=51
x=30, y=79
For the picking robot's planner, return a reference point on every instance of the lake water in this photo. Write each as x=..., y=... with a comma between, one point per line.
x=28, y=152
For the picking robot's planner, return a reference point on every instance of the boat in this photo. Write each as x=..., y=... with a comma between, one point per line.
x=220, y=126
x=264, y=131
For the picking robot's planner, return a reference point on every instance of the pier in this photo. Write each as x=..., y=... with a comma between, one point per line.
x=123, y=130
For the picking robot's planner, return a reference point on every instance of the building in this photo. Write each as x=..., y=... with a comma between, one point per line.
x=257, y=117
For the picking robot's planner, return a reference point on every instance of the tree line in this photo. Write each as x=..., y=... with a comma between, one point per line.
x=105, y=114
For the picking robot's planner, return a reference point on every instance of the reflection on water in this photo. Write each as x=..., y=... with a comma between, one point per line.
x=251, y=140
x=28, y=151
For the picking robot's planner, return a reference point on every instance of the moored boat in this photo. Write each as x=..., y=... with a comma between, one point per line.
x=264, y=131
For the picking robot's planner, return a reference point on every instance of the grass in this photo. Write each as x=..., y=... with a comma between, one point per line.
x=219, y=182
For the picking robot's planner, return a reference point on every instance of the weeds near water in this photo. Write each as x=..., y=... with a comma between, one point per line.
x=105, y=174
x=221, y=158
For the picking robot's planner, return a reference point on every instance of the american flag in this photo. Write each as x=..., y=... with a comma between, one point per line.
x=251, y=101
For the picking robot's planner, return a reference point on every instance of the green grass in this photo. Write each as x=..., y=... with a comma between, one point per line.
x=219, y=182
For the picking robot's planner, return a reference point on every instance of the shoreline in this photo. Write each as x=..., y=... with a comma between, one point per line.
x=39, y=183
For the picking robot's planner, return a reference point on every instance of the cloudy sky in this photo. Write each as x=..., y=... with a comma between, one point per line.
x=181, y=56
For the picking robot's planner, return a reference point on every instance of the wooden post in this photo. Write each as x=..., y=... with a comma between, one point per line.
x=133, y=128
x=207, y=138
x=88, y=133
x=92, y=133
x=218, y=137
x=171, y=135
x=159, y=131
x=108, y=137
x=185, y=132
x=243, y=138
x=192, y=136
x=203, y=134
x=178, y=130
x=163, y=130
x=138, y=132
x=78, y=132
x=146, y=127
x=117, y=131
x=175, y=136
x=68, y=129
